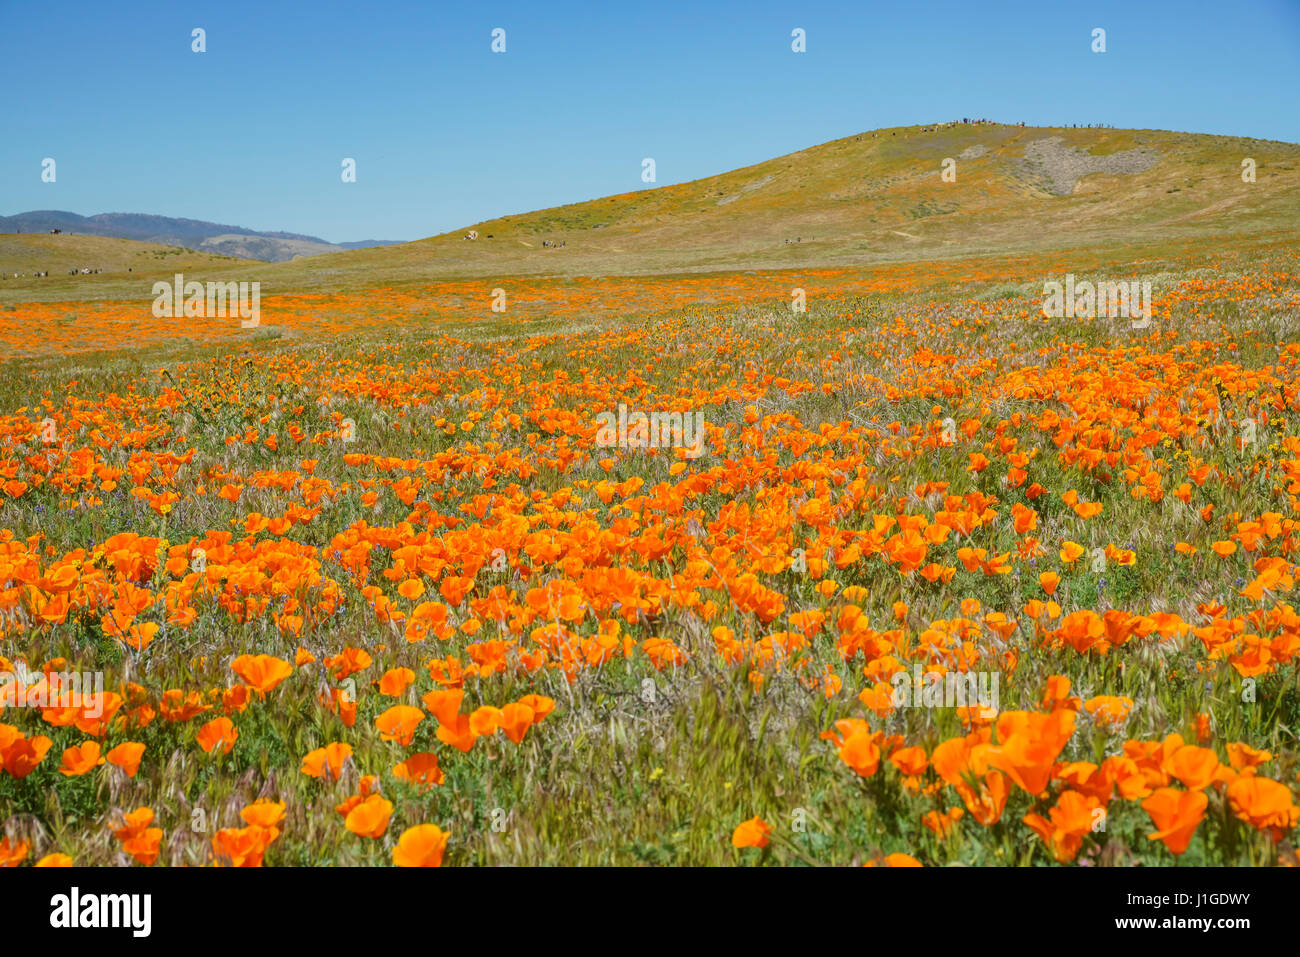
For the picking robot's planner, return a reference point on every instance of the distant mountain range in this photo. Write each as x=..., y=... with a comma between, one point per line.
x=187, y=233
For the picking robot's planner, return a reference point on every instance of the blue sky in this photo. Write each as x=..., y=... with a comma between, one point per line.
x=445, y=132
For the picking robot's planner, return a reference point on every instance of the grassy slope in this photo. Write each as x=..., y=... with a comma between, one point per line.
x=864, y=199
x=42, y=252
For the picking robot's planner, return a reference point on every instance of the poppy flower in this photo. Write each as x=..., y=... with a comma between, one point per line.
x=348, y=662
x=80, y=759
x=370, y=817
x=1243, y=757
x=395, y=681
x=326, y=761
x=1264, y=804
x=1071, y=552
x=751, y=833
x=398, y=723
x=910, y=761
x=901, y=860
x=218, y=733
x=1194, y=767
x=139, y=839
x=1056, y=694
x=412, y=588
x=264, y=813
x=444, y=705
x=1067, y=823
x=485, y=720
x=244, y=846
x=13, y=852
x=942, y=823
x=861, y=753
x=458, y=734
x=1088, y=779
x=177, y=706
x=261, y=672
x=1176, y=815
x=1029, y=744
x=1108, y=709
x=420, y=768
x=368, y=785
x=20, y=755
x=235, y=700
x=420, y=846
x=515, y=721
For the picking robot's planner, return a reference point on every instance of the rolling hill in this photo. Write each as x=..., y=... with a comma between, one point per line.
x=874, y=197
x=127, y=268
x=878, y=197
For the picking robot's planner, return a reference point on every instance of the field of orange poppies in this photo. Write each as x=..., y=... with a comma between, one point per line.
x=947, y=581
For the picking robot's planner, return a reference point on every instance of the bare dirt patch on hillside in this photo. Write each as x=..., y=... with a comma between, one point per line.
x=1057, y=168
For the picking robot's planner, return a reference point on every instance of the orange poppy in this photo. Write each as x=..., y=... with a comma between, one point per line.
x=398, y=723
x=326, y=761
x=261, y=672
x=1264, y=804
x=420, y=846
x=370, y=817
x=80, y=759
x=751, y=833
x=218, y=733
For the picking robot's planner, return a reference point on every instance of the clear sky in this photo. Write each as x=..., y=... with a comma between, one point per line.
x=446, y=133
